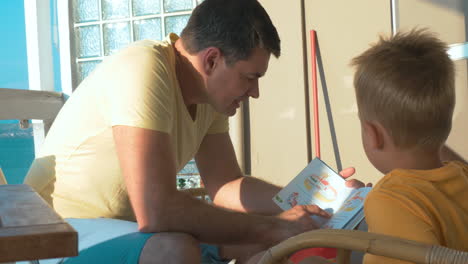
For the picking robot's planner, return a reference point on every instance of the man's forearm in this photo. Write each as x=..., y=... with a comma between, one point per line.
x=209, y=224
x=248, y=194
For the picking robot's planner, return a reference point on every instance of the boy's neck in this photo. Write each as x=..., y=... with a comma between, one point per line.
x=414, y=159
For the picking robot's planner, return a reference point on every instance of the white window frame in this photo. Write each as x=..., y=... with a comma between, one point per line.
x=40, y=73
x=64, y=21
x=39, y=46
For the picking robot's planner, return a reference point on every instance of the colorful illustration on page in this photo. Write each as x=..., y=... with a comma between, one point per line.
x=325, y=192
x=352, y=203
x=292, y=199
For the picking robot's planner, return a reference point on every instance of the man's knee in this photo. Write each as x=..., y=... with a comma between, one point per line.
x=171, y=248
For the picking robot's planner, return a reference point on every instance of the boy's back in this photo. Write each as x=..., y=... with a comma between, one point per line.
x=430, y=206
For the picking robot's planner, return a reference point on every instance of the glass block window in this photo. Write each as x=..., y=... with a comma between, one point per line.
x=189, y=177
x=86, y=67
x=102, y=27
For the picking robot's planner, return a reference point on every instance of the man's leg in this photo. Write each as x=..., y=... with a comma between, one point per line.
x=104, y=240
x=174, y=248
x=171, y=248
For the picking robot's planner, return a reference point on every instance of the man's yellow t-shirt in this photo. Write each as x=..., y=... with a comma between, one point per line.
x=429, y=206
x=78, y=171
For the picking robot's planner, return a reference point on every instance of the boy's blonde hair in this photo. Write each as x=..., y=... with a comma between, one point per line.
x=406, y=83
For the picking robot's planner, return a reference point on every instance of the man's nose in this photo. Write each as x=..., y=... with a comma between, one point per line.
x=253, y=90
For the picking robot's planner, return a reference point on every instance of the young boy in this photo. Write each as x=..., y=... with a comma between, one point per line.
x=405, y=95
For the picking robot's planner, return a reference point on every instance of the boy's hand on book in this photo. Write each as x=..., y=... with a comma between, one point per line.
x=352, y=183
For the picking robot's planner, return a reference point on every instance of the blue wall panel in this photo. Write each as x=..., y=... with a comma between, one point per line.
x=16, y=145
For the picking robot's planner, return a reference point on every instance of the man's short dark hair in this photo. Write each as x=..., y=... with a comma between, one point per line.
x=236, y=27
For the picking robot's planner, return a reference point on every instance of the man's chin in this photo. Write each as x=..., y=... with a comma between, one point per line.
x=231, y=112
x=227, y=111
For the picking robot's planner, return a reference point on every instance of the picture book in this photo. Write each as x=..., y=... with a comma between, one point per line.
x=319, y=184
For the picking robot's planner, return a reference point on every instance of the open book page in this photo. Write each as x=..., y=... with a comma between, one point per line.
x=351, y=212
x=316, y=184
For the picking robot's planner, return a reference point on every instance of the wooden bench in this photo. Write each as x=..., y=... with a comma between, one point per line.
x=30, y=229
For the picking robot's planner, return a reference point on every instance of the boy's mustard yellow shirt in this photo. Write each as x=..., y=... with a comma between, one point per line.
x=430, y=206
x=77, y=170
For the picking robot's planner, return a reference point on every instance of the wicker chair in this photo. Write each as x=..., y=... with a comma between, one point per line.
x=348, y=240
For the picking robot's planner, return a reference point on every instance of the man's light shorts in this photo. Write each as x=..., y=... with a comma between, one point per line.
x=104, y=240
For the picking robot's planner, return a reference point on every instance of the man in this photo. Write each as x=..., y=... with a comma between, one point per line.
x=115, y=148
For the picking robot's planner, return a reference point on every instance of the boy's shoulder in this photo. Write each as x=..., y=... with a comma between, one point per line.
x=399, y=180
x=459, y=164
x=395, y=177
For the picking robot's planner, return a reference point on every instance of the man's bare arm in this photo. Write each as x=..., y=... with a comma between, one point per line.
x=148, y=166
x=225, y=182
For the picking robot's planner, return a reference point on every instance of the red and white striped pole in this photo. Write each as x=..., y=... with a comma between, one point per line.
x=313, y=52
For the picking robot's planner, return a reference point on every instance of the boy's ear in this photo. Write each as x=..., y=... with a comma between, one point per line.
x=375, y=133
x=211, y=57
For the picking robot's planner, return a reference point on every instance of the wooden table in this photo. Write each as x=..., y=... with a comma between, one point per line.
x=30, y=229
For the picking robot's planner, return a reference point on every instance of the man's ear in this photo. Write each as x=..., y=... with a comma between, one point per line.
x=211, y=59
x=375, y=133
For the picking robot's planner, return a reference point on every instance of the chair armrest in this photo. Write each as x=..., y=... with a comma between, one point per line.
x=376, y=244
